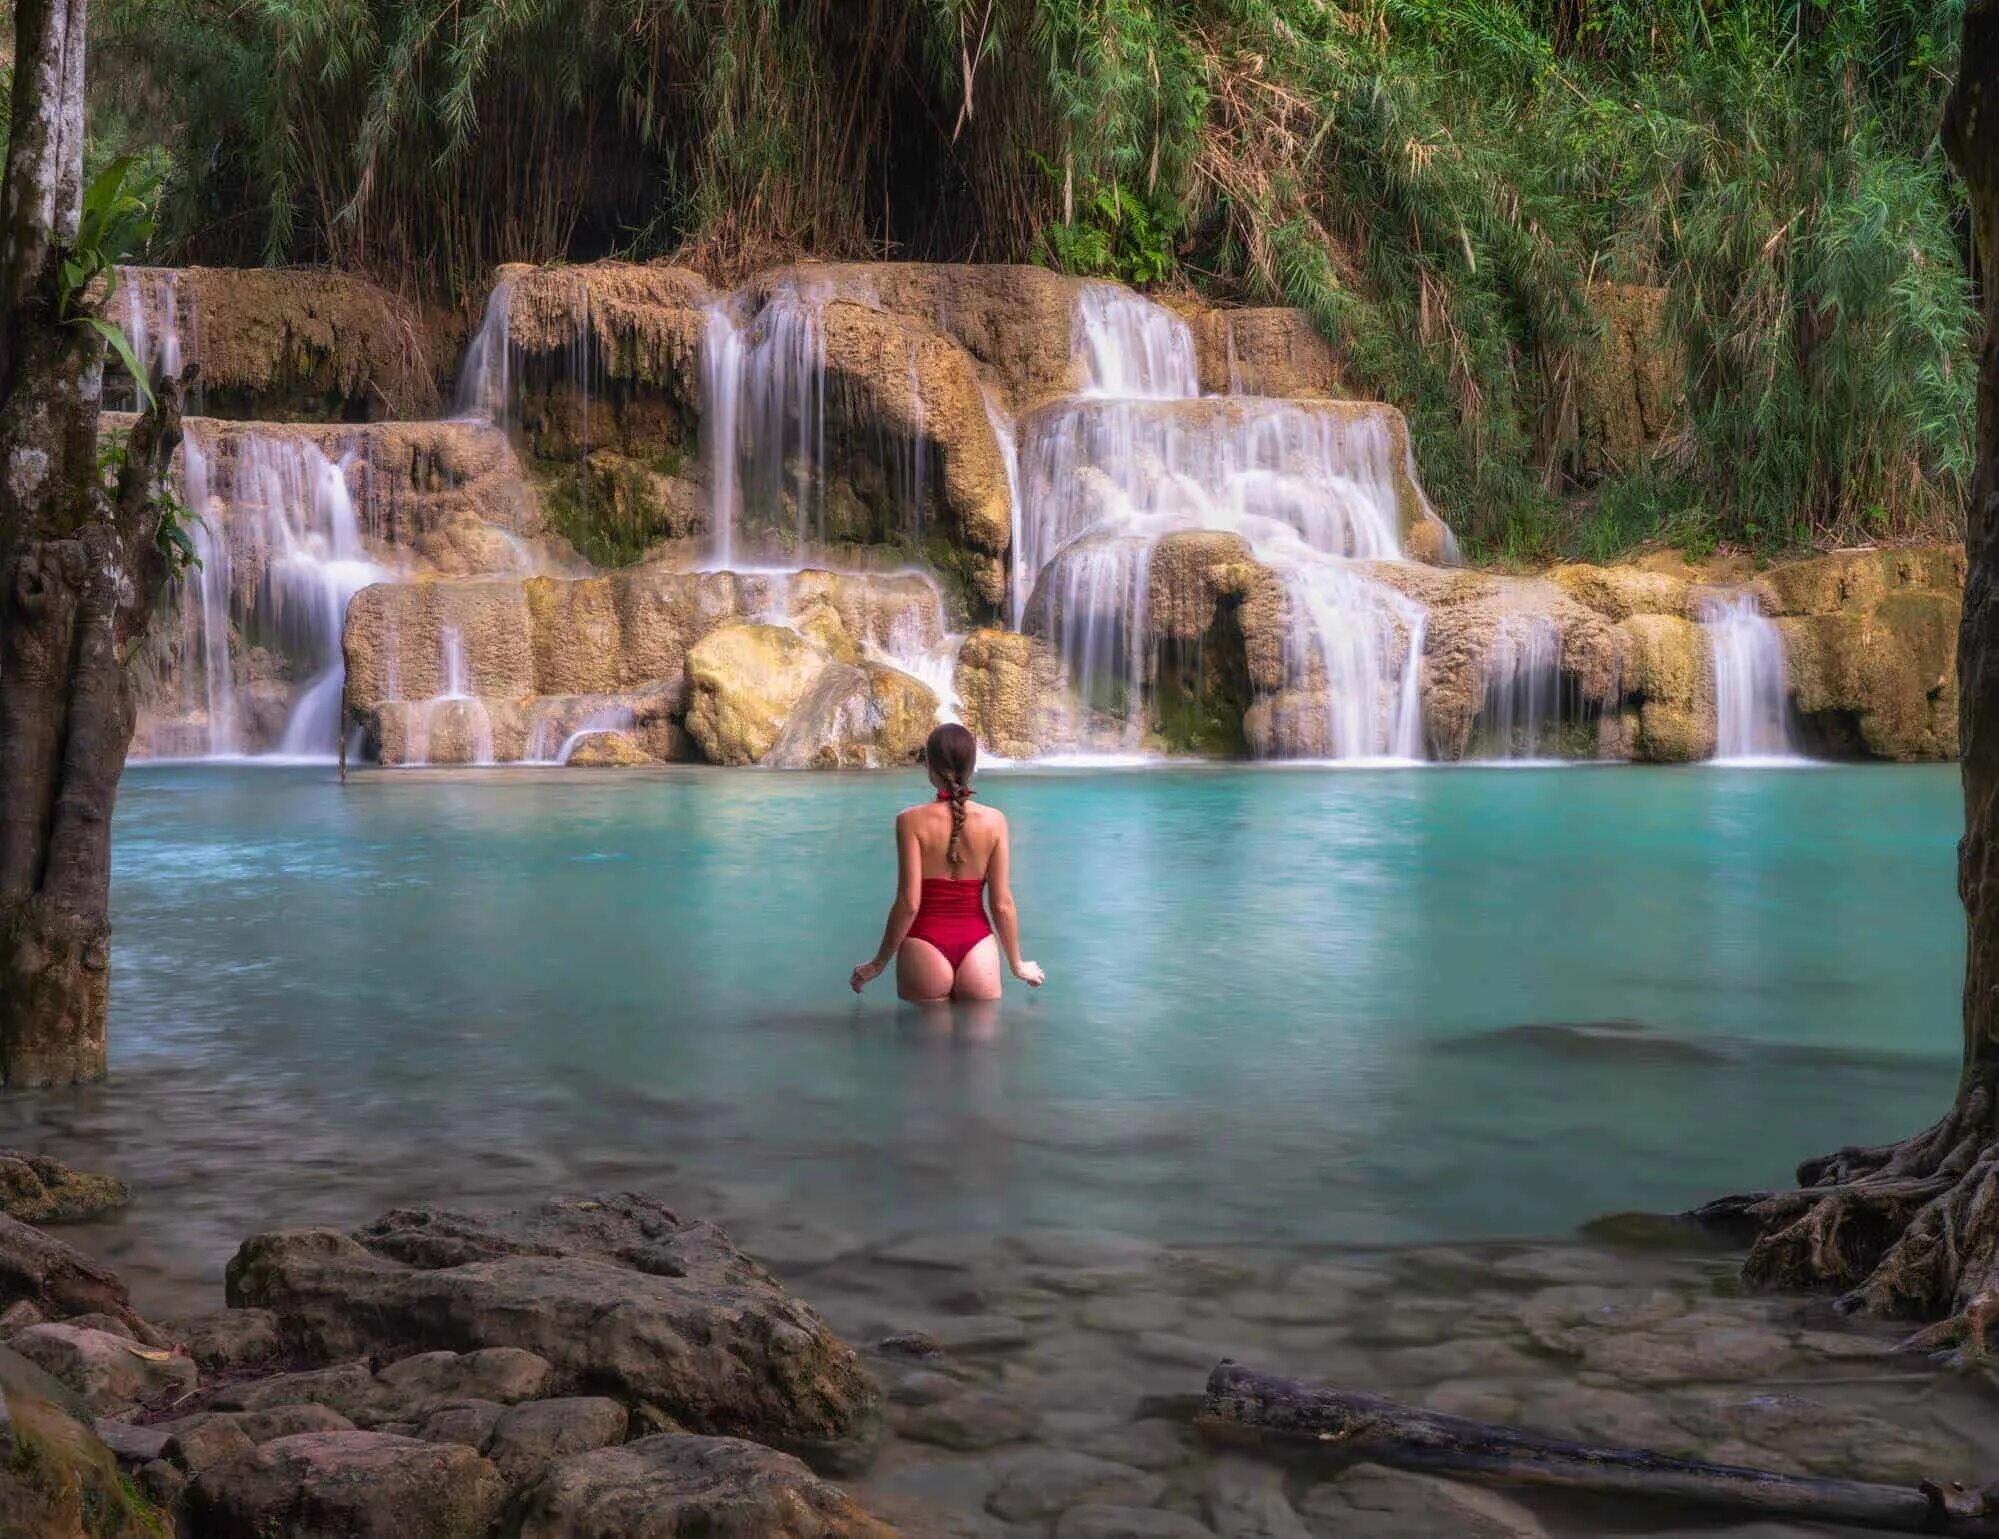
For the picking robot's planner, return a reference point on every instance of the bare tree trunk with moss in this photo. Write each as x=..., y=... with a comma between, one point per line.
x=79, y=565
x=1911, y=1231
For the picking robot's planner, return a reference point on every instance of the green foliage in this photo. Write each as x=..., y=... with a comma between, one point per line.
x=1453, y=189
x=1114, y=235
x=114, y=222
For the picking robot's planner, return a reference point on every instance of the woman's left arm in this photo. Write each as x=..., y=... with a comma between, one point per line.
x=902, y=912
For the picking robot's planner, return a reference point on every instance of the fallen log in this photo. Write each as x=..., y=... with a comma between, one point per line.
x=1245, y=1406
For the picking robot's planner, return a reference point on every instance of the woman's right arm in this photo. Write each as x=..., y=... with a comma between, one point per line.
x=902, y=912
x=1006, y=918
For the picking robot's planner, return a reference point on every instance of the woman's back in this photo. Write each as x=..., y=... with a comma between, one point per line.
x=931, y=824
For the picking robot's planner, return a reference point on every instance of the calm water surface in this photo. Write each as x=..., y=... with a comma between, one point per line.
x=1285, y=1004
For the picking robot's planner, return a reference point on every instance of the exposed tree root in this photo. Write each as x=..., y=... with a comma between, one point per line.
x=1909, y=1231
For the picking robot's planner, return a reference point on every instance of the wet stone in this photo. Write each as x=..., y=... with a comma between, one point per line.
x=132, y=1445
x=469, y=1422
x=204, y=1440
x=913, y=1518
x=228, y=1338
x=528, y=1437
x=347, y=1485
x=1717, y=1355
x=112, y=1373
x=1474, y=1357
x=1244, y=1499
x=1473, y=1399
x=672, y=1486
x=924, y=1386
x=1151, y=1444
x=1098, y=1521
x=504, y=1374
x=939, y=1252
x=1588, y=1414
x=348, y=1388
x=1292, y=1308
x=1178, y=1351
x=1562, y=1264
x=1040, y=1482
x=968, y=1421
x=1371, y=1502
x=970, y=1334
x=1133, y=1312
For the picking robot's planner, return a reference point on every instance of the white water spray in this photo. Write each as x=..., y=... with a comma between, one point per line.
x=1751, y=695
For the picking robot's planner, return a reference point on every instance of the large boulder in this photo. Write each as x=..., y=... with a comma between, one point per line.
x=675, y=1487
x=856, y=716
x=38, y=1190
x=621, y=1296
x=57, y=1478
x=56, y=1278
x=1009, y=689
x=743, y=681
x=347, y=1485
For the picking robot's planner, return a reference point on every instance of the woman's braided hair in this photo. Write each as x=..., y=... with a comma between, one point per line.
x=952, y=754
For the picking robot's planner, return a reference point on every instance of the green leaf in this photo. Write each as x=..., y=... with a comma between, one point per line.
x=114, y=334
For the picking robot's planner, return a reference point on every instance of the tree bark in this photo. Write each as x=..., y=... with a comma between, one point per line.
x=79, y=566
x=1911, y=1230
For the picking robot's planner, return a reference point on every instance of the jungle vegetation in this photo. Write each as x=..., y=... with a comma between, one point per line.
x=1456, y=190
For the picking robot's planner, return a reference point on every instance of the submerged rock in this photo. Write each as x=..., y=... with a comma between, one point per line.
x=618, y=1294
x=1370, y=1501
x=38, y=1190
x=679, y=1487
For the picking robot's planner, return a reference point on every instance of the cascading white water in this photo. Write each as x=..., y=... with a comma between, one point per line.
x=1310, y=490
x=722, y=354
x=559, y=725
x=1521, y=715
x=158, y=320
x=485, y=383
x=453, y=706
x=1132, y=347
x=1751, y=694
x=782, y=433
x=282, y=553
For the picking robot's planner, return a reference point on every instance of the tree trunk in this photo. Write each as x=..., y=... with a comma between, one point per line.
x=1912, y=1230
x=79, y=565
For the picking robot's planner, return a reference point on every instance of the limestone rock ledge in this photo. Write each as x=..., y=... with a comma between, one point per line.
x=683, y=664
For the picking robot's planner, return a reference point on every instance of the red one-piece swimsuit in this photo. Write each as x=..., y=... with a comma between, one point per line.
x=952, y=914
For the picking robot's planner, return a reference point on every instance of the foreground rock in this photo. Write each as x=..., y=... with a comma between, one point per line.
x=347, y=1485
x=57, y=1479
x=675, y=1487
x=112, y=1372
x=38, y=1190
x=619, y=1295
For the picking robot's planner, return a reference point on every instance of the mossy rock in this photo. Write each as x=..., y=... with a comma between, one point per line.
x=57, y=1479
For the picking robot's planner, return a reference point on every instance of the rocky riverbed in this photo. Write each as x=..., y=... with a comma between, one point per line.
x=608, y=1366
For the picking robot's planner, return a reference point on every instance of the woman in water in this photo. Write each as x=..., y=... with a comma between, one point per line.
x=950, y=856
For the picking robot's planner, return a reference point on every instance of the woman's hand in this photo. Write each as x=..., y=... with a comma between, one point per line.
x=1030, y=973
x=865, y=974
